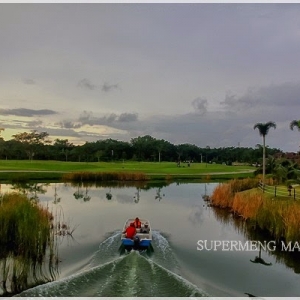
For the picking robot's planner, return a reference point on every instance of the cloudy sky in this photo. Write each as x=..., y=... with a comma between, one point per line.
x=200, y=73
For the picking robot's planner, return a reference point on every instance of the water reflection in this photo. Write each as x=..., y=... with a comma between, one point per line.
x=253, y=233
x=158, y=194
x=165, y=204
x=32, y=190
x=136, y=197
x=259, y=260
x=78, y=194
x=109, y=194
x=197, y=215
x=56, y=198
x=86, y=197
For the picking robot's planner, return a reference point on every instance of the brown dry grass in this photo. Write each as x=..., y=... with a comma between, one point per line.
x=103, y=176
x=280, y=216
x=247, y=205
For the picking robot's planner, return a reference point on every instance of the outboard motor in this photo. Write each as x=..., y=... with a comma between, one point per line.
x=136, y=242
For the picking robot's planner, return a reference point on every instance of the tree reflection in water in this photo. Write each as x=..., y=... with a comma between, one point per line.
x=158, y=194
x=30, y=189
x=78, y=194
x=86, y=197
x=137, y=195
x=56, y=199
x=109, y=194
x=259, y=260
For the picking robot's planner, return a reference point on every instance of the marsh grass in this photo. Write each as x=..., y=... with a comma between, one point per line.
x=223, y=194
x=26, y=240
x=279, y=216
x=103, y=176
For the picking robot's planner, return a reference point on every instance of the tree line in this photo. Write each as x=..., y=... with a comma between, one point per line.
x=37, y=145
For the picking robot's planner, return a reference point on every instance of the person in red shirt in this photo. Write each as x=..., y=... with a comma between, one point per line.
x=137, y=223
x=130, y=231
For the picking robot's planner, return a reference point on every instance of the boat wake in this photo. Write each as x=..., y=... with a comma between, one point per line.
x=133, y=274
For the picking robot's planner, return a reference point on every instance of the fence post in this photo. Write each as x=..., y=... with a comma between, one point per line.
x=294, y=194
x=275, y=190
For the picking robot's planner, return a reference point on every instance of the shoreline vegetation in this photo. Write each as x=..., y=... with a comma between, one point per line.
x=278, y=216
x=27, y=241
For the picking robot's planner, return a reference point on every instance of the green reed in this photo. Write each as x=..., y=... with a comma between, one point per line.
x=26, y=240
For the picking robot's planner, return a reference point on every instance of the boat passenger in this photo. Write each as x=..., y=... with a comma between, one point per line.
x=145, y=228
x=137, y=223
x=130, y=231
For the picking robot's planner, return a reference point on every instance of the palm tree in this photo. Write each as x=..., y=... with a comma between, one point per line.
x=295, y=123
x=263, y=131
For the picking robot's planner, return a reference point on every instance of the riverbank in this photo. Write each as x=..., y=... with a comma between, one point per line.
x=279, y=216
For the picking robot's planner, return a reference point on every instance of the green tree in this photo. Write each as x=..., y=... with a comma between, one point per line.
x=295, y=123
x=263, y=131
x=63, y=146
x=32, y=142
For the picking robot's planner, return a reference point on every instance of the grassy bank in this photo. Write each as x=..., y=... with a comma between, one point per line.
x=54, y=170
x=280, y=216
x=26, y=238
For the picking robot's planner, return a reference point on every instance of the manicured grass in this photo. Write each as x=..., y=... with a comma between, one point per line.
x=155, y=170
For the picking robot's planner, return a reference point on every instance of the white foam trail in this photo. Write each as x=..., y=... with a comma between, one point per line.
x=73, y=276
x=104, y=247
x=178, y=277
x=108, y=242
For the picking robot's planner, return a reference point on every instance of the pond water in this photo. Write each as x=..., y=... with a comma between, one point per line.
x=90, y=264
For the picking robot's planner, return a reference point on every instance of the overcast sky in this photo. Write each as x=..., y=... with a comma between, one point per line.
x=199, y=73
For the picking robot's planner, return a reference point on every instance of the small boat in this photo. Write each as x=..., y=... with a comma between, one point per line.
x=142, y=241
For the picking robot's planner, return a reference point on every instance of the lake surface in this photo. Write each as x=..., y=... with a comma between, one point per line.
x=90, y=264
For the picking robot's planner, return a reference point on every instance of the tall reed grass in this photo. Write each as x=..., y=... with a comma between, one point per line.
x=281, y=218
x=223, y=194
x=103, y=176
x=26, y=238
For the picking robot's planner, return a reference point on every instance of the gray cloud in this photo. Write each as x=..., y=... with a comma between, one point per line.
x=34, y=123
x=128, y=117
x=271, y=96
x=86, y=84
x=108, y=87
x=89, y=119
x=24, y=112
x=200, y=105
x=229, y=47
x=69, y=124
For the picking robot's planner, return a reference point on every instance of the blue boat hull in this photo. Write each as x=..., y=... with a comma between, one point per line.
x=130, y=243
